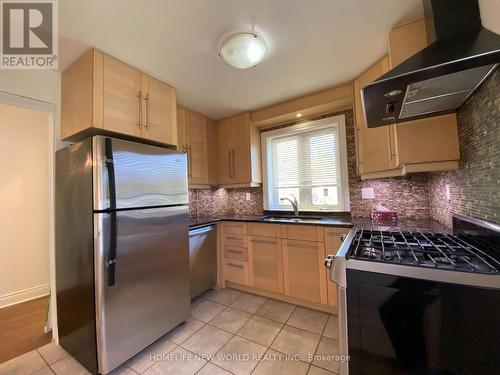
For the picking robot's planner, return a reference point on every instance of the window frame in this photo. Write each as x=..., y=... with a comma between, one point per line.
x=267, y=165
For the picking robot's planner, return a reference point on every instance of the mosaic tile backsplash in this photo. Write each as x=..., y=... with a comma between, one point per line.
x=393, y=193
x=475, y=187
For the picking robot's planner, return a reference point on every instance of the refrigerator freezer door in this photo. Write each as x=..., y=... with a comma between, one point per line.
x=141, y=175
x=148, y=294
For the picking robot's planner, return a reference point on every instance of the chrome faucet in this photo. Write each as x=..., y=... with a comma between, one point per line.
x=294, y=203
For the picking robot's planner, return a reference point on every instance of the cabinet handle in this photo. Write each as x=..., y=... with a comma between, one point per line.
x=234, y=238
x=234, y=251
x=190, y=166
x=392, y=154
x=139, y=115
x=234, y=170
x=358, y=148
x=230, y=167
x=271, y=242
x=234, y=265
x=146, y=123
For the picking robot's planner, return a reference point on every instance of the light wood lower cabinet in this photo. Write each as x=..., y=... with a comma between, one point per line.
x=303, y=270
x=265, y=256
x=284, y=260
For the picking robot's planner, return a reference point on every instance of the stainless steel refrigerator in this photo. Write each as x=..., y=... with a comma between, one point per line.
x=122, y=257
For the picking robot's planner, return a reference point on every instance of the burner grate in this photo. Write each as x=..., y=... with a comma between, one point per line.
x=422, y=249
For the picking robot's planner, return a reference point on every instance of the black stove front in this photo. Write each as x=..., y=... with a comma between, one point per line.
x=402, y=325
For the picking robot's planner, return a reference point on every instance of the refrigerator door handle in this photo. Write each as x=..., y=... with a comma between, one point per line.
x=111, y=262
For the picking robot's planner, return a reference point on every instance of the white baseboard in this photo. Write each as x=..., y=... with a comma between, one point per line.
x=24, y=295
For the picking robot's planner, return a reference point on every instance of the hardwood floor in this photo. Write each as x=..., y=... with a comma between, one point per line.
x=21, y=328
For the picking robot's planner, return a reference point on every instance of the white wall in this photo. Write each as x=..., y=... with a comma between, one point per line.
x=24, y=199
x=490, y=14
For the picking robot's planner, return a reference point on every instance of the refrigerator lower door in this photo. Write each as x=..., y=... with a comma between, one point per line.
x=143, y=291
x=135, y=175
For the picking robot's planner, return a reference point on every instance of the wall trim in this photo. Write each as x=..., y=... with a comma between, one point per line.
x=24, y=295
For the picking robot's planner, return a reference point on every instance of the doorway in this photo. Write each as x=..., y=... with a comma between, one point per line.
x=26, y=227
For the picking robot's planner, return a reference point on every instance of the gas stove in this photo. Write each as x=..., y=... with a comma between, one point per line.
x=426, y=249
x=391, y=284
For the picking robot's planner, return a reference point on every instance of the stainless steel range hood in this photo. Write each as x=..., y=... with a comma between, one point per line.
x=441, y=77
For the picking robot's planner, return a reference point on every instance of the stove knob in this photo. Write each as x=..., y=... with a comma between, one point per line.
x=329, y=261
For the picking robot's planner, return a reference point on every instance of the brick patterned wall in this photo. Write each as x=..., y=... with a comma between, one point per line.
x=475, y=186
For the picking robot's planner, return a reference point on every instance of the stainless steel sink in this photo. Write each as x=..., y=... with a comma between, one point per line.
x=293, y=219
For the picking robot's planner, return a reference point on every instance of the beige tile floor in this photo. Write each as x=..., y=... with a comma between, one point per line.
x=230, y=332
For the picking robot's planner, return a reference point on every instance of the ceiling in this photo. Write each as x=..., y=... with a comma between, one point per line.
x=313, y=44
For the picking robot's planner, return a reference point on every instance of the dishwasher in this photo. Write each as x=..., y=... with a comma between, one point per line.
x=202, y=259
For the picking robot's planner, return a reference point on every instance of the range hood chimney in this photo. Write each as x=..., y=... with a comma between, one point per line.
x=441, y=77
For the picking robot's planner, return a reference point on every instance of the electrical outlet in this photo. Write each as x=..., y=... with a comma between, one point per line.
x=367, y=193
x=447, y=192
x=247, y=196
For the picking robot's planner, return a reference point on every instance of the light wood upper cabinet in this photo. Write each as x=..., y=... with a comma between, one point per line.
x=303, y=270
x=224, y=152
x=376, y=147
x=238, y=152
x=197, y=130
x=428, y=144
x=159, y=110
x=99, y=92
x=196, y=137
x=406, y=40
x=265, y=263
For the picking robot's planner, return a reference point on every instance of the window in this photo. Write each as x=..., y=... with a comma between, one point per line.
x=307, y=161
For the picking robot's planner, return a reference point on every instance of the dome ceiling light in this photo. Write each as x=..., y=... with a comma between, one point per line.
x=243, y=50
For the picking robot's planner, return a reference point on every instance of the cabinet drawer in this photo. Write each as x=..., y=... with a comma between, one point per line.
x=303, y=232
x=236, y=271
x=235, y=227
x=264, y=230
x=235, y=240
x=237, y=253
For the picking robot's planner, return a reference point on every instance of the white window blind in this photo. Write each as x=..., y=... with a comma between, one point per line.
x=305, y=163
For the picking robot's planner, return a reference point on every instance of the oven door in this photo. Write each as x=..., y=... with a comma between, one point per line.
x=400, y=325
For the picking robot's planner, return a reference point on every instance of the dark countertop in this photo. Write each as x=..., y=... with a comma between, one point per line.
x=342, y=221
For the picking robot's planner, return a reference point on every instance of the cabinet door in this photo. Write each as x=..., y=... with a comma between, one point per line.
x=224, y=154
x=121, y=97
x=376, y=147
x=333, y=241
x=240, y=142
x=265, y=263
x=197, y=148
x=304, y=271
x=439, y=134
x=181, y=129
x=159, y=111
